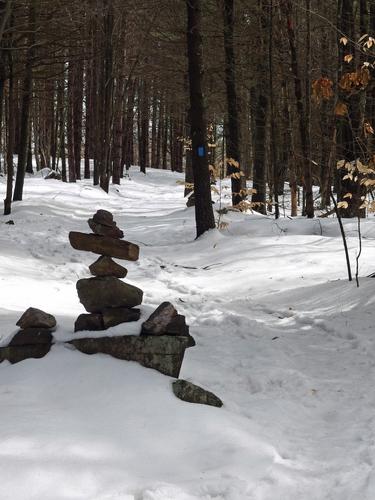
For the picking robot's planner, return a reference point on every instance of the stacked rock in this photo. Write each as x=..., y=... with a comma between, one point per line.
x=34, y=338
x=108, y=300
x=165, y=320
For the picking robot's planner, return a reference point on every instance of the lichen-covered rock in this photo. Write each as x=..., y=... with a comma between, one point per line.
x=93, y=322
x=194, y=394
x=164, y=354
x=36, y=318
x=105, y=266
x=159, y=320
x=28, y=343
x=98, y=294
x=104, y=245
x=116, y=315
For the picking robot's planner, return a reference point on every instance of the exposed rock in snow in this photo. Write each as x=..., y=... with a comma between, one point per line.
x=192, y=393
x=36, y=318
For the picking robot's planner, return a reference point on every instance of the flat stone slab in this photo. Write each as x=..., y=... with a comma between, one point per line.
x=191, y=393
x=164, y=354
x=104, y=245
x=98, y=294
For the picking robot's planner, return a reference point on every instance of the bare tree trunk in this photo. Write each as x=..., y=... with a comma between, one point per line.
x=302, y=123
x=26, y=105
x=10, y=144
x=154, y=126
x=238, y=181
x=204, y=216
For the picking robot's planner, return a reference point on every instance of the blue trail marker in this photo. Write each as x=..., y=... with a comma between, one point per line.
x=200, y=151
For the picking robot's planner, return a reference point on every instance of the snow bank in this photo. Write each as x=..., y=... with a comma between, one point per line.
x=282, y=338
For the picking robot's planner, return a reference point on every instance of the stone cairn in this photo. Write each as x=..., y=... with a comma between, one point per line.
x=33, y=339
x=107, y=299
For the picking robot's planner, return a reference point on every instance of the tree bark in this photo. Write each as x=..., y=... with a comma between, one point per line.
x=26, y=104
x=204, y=216
x=234, y=170
x=286, y=6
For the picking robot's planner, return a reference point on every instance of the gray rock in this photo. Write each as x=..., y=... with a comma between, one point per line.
x=177, y=326
x=105, y=266
x=194, y=394
x=159, y=320
x=164, y=354
x=93, y=322
x=104, y=245
x=101, y=230
x=104, y=217
x=116, y=315
x=53, y=174
x=31, y=336
x=98, y=294
x=36, y=318
x=28, y=343
x=165, y=321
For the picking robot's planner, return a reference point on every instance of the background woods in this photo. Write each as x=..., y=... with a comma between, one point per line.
x=90, y=88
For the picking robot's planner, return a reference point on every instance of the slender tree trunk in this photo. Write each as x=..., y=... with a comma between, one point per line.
x=164, y=146
x=302, y=123
x=238, y=181
x=10, y=144
x=159, y=135
x=128, y=145
x=70, y=122
x=275, y=169
x=154, y=126
x=118, y=129
x=204, y=216
x=26, y=105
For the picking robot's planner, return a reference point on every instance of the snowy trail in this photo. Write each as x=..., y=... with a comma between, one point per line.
x=281, y=336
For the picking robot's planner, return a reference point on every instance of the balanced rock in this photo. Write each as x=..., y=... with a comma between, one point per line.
x=166, y=321
x=159, y=320
x=116, y=315
x=93, y=322
x=97, y=294
x=28, y=343
x=36, y=318
x=102, y=230
x=194, y=394
x=164, y=354
x=104, y=217
x=104, y=245
x=105, y=266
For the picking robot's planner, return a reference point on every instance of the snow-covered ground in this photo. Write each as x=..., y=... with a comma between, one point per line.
x=282, y=338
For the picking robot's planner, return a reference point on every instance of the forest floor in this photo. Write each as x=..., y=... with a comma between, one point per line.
x=282, y=338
